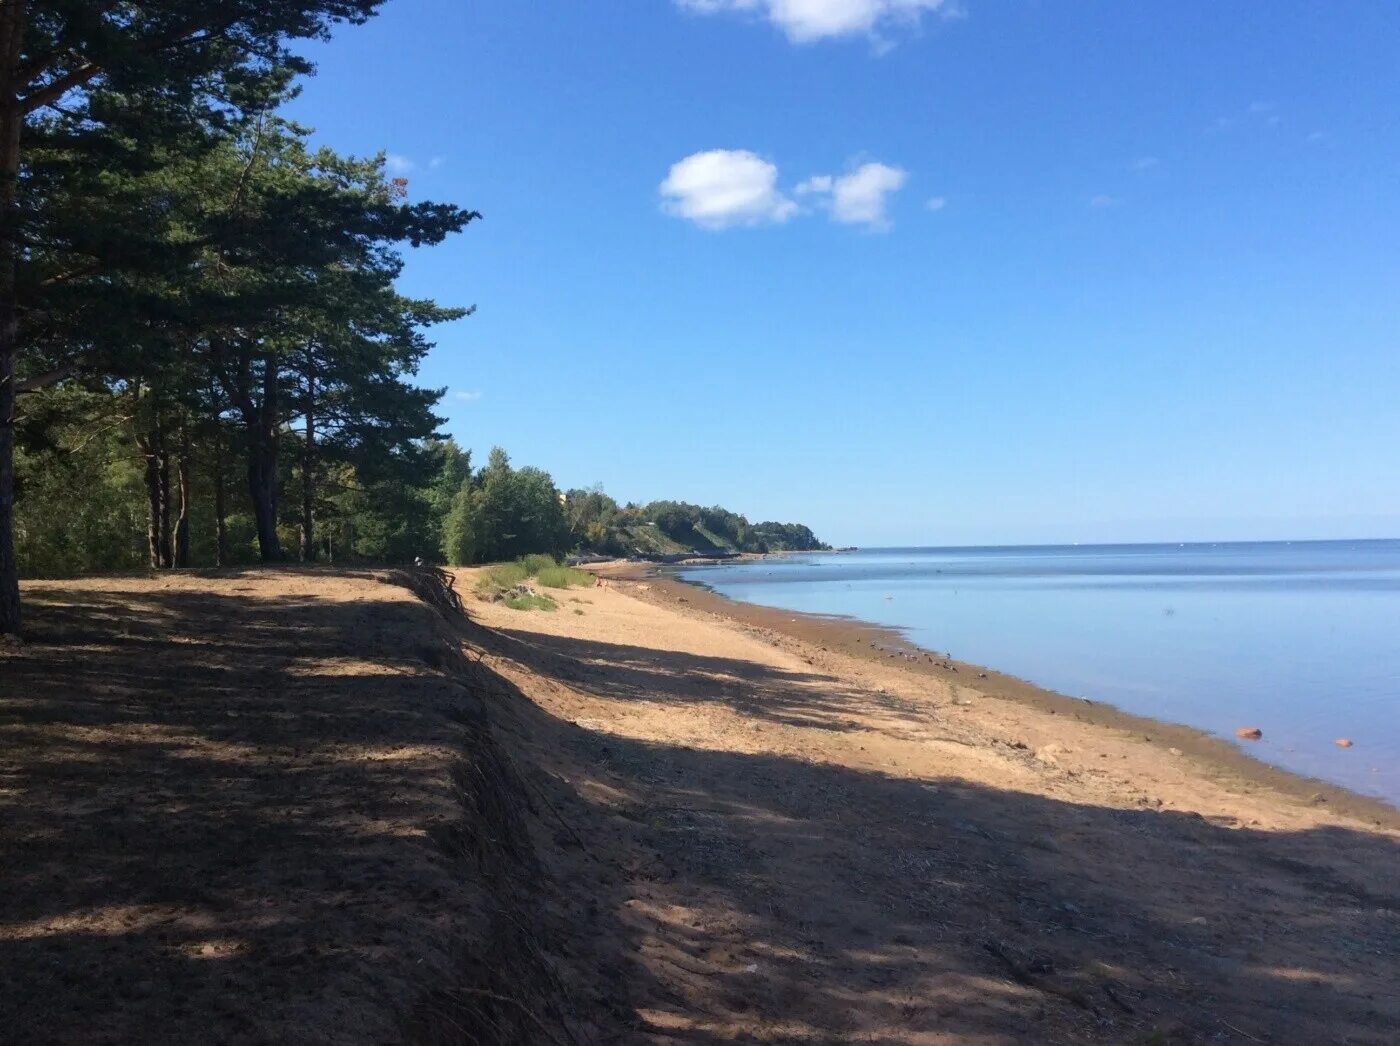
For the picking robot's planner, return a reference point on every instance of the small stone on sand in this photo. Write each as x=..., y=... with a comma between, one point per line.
x=1249, y=733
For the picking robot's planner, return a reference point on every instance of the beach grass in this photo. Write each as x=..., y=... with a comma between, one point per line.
x=506, y=582
x=530, y=601
x=564, y=577
x=501, y=576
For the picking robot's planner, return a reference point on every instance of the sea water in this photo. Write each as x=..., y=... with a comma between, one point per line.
x=1300, y=639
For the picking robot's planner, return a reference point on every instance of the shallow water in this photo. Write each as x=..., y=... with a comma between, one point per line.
x=1301, y=639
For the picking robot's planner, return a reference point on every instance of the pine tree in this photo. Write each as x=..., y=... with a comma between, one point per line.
x=87, y=74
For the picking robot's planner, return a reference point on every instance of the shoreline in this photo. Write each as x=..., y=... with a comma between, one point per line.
x=811, y=838
x=1213, y=758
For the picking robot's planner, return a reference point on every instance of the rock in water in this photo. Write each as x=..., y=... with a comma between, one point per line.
x=1249, y=733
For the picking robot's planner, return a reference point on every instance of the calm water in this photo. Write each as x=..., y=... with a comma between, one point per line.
x=1299, y=638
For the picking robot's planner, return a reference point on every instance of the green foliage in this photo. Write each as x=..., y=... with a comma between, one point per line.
x=502, y=576
x=536, y=562
x=503, y=513
x=564, y=577
x=80, y=507
x=172, y=245
x=531, y=601
x=667, y=528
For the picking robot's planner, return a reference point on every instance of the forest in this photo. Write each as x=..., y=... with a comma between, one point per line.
x=205, y=359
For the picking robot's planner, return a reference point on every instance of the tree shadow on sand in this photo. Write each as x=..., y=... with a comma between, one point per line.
x=241, y=817
x=776, y=899
x=618, y=671
x=233, y=815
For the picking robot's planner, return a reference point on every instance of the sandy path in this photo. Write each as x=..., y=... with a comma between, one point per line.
x=798, y=844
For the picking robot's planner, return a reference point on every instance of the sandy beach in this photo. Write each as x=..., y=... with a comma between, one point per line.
x=302, y=804
x=834, y=844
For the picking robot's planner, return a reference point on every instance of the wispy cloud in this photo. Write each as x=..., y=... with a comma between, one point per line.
x=806, y=21
x=1100, y=200
x=723, y=188
x=467, y=395
x=1254, y=113
x=1144, y=163
x=936, y=203
x=396, y=163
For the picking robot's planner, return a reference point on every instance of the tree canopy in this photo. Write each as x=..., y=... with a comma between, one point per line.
x=175, y=249
x=205, y=358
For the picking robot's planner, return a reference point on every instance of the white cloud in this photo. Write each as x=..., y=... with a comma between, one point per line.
x=399, y=165
x=467, y=396
x=725, y=187
x=861, y=197
x=1104, y=200
x=804, y=21
x=1144, y=163
x=936, y=203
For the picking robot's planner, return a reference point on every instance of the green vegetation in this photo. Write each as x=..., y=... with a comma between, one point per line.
x=503, y=512
x=564, y=577
x=530, y=601
x=506, y=582
x=537, y=562
x=501, y=577
x=204, y=356
x=192, y=296
x=670, y=528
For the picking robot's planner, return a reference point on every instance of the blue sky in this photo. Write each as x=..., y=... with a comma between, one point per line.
x=910, y=272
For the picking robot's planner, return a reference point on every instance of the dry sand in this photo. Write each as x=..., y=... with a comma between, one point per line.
x=824, y=845
x=301, y=806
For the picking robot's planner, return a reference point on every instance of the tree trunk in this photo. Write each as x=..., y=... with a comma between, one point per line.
x=153, y=450
x=262, y=488
x=153, y=535
x=180, y=538
x=262, y=466
x=308, y=486
x=221, y=556
x=12, y=25
x=165, y=503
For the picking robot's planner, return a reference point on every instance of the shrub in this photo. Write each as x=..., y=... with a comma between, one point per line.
x=564, y=577
x=530, y=602
x=501, y=576
x=537, y=562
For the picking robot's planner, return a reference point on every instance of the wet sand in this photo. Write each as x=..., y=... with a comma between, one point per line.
x=1211, y=756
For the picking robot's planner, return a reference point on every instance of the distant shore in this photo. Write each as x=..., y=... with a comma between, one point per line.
x=1212, y=758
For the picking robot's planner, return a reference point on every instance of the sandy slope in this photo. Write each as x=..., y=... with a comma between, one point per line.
x=242, y=807
x=795, y=843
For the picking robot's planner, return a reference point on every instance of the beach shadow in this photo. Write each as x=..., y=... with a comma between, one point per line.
x=229, y=817
x=770, y=898
x=240, y=817
x=622, y=672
